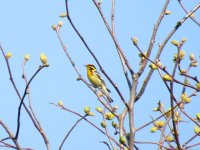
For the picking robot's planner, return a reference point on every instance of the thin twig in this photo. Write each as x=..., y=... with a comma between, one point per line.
x=40, y=129
x=188, y=141
x=118, y=51
x=11, y=136
x=176, y=136
x=147, y=142
x=188, y=147
x=153, y=36
x=184, y=9
x=22, y=100
x=113, y=37
x=68, y=133
x=104, y=142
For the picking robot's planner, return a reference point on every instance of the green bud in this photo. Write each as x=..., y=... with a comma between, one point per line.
x=153, y=66
x=169, y=138
x=63, y=15
x=54, y=27
x=192, y=57
x=167, y=77
x=87, y=110
x=175, y=42
x=183, y=40
x=196, y=130
x=60, y=23
x=156, y=109
x=122, y=140
x=134, y=40
x=109, y=116
x=198, y=85
x=153, y=129
x=103, y=124
x=60, y=103
x=198, y=117
x=99, y=109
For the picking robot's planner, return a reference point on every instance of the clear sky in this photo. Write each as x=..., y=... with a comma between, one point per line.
x=25, y=28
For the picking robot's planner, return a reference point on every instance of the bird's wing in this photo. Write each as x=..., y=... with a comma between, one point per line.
x=98, y=75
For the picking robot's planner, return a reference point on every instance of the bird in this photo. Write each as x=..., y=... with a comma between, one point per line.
x=96, y=80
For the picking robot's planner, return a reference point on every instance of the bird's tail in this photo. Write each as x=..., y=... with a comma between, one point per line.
x=106, y=91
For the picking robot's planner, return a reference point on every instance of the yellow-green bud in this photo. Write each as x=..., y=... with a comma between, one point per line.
x=8, y=55
x=194, y=64
x=99, y=2
x=153, y=129
x=153, y=66
x=182, y=54
x=175, y=42
x=159, y=124
x=175, y=57
x=167, y=12
x=198, y=117
x=167, y=77
x=54, y=27
x=109, y=116
x=122, y=140
x=114, y=124
x=169, y=138
x=185, y=98
x=60, y=103
x=43, y=59
x=192, y=56
x=27, y=57
x=196, y=130
x=99, y=109
x=183, y=40
x=60, y=23
x=186, y=81
x=198, y=85
x=134, y=40
x=63, y=15
x=103, y=124
x=87, y=110
x=156, y=109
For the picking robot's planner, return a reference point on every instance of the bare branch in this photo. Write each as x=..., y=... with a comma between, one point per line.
x=68, y=133
x=11, y=136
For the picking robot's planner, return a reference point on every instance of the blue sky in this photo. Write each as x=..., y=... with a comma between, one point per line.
x=26, y=29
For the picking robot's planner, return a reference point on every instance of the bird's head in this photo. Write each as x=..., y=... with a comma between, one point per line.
x=90, y=67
